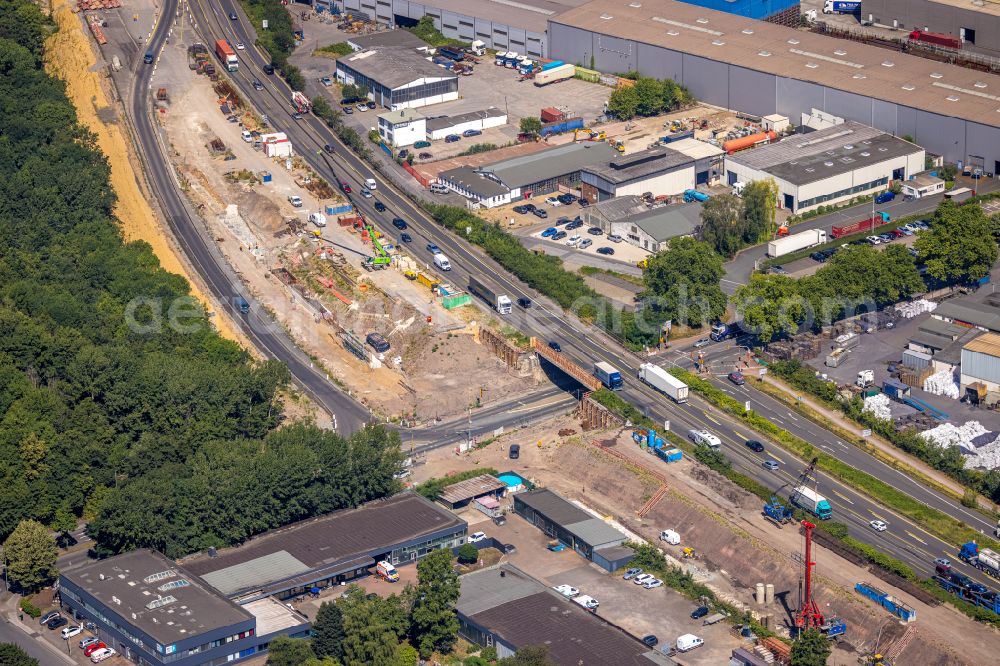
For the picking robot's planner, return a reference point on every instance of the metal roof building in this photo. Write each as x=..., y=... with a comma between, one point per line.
x=331, y=549
x=508, y=609
x=659, y=170
x=462, y=493
x=981, y=363
x=590, y=536
x=645, y=227
x=761, y=69
x=982, y=315
x=152, y=610
x=976, y=23
x=398, y=77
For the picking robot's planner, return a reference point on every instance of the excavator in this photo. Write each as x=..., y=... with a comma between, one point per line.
x=381, y=259
x=588, y=134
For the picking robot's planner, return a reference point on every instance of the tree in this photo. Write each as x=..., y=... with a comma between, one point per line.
x=650, y=95
x=372, y=627
x=770, y=306
x=959, y=246
x=623, y=103
x=434, y=622
x=406, y=655
x=12, y=655
x=285, y=651
x=531, y=655
x=811, y=648
x=995, y=226
x=722, y=224
x=760, y=201
x=530, y=125
x=328, y=631
x=31, y=554
x=683, y=282
x=468, y=554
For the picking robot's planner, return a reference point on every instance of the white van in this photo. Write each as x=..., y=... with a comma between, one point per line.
x=688, y=642
x=738, y=188
x=247, y=136
x=442, y=262
x=671, y=537
x=100, y=655
x=371, y=184
x=704, y=438
x=319, y=219
x=438, y=188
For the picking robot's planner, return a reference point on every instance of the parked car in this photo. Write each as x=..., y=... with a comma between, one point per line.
x=379, y=206
x=642, y=578
x=452, y=138
x=885, y=197
x=553, y=201
x=653, y=583
x=737, y=378
x=584, y=244
x=372, y=105
x=567, y=591
x=551, y=231
x=567, y=198
x=57, y=622
x=520, y=210
x=476, y=537
x=100, y=655
x=606, y=250
x=614, y=238
x=540, y=212
x=595, y=231
x=524, y=302
x=399, y=223
x=771, y=465
x=514, y=452
x=326, y=81
x=433, y=249
x=348, y=110
x=632, y=573
x=583, y=202
x=361, y=107
x=403, y=154
x=699, y=612
x=650, y=640
x=94, y=647
x=295, y=200
x=377, y=342
x=471, y=132
x=70, y=632
x=560, y=235
x=554, y=346
x=874, y=240
x=573, y=241
x=406, y=238
x=755, y=446
x=48, y=617
x=425, y=156
x=422, y=144
x=778, y=270
x=895, y=233
x=878, y=525
x=905, y=230
x=887, y=237
x=88, y=641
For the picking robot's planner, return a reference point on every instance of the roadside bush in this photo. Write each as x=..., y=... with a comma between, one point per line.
x=30, y=609
x=468, y=554
x=338, y=49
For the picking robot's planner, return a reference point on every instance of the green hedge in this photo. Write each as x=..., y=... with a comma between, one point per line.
x=30, y=609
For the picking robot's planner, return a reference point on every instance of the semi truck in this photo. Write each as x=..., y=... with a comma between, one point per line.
x=301, y=102
x=608, y=375
x=722, y=331
x=478, y=47
x=841, y=7
x=986, y=560
x=795, y=242
x=498, y=301
x=867, y=224
x=811, y=501
x=663, y=381
x=560, y=73
x=226, y=54
x=501, y=58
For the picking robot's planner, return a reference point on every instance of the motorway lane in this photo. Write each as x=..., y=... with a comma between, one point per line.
x=263, y=332
x=582, y=343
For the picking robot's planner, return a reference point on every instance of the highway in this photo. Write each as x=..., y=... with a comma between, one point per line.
x=582, y=343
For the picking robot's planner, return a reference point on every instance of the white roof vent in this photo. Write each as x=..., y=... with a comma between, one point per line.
x=810, y=169
x=635, y=5
x=793, y=41
x=717, y=42
x=980, y=84
x=937, y=75
x=859, y=76
x=888, y=63
x=865, y=153
x=747, y=31
x=952, y=98
x=909, y=86
x=811, y=65
x=702, y=21
x=764, y=54
x=849, y=146
x=882, y=149
x=840, y=52
x=673, y=33
x=829, y=164
x=606, y=16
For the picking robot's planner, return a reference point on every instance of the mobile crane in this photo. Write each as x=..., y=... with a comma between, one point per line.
x=775, y=509
x=381, y=259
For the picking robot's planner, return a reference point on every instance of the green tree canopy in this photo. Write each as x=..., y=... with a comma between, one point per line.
x=531, y=655
x=770, y=305
x=959, y=247
x=468, y=554
x=811, y=648
x=31, y=553
x=722, y=224
x=760, y=202
x=328, y=631
x=434, y=622
x=648, y=97
x=285, y=651
x=373, y=628
x=683, y=282
x=12, y=655
x=530, y=125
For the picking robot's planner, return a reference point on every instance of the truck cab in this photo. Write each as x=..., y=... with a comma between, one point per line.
x=720, y=332
x=608, y=375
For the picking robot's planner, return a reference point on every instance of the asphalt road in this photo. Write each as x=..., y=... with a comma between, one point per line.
x=583, y=344
x=45, y=654
x=347, y=414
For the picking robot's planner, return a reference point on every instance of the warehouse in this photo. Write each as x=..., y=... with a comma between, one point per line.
x=642, y=226
x=658, y=170
x=976, y=24
x=981, y=365
x=403, y=127
x=569, y=524
x=782, y=12
x=475, y=186
x=331, y=549
x=507, y=609
x=153, y=611
x=762, y=69
x=441, y=126
x=398, y=77
x=708, y=159
x=828, y=166
x=972, y=313
x=462, y=493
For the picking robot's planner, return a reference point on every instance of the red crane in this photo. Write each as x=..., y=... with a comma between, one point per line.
x=809, y=614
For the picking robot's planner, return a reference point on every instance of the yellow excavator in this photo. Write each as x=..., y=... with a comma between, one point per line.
x=588, y=134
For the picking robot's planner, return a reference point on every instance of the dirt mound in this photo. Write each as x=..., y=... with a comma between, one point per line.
x=261, y=213
x=733, y=493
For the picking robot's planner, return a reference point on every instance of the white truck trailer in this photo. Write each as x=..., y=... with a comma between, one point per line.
x=795, y=242
x=663, y=381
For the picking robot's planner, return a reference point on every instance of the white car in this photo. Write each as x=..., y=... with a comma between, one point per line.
x=70, y=632
x=874, y=240
x=295, y=200
x=615, y=238
x=567, y=591
x=553, y=201
x=100, y=655
x=642, y=578
x=366, y=193
x=476, y=537
x=88, y=641
x=650, y=584
x=878, y=526
x=240, y=46
x=572, y=241
x=362, y=107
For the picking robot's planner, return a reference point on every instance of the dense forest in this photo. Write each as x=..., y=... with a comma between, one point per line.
x=165, y=434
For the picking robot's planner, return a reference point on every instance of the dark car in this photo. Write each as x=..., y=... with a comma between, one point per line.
x=885, y=197
x=540, y=212
x=425, y=156
x=520, y=210
x=471, y=132
x=554, y=346
x=406, y=238
x=754, y=445
x=346, y=188
x=452, y=138
x=515, y=451
x=297, y=115
x=650, y=640
x=566, y=198
x=233, y=16
x=348, y=110
x=559, y=235
x=737, y=378
x=819, y=256
x=399, y=223
x=57, y=622
x=269, y=69
x=328, y=148
x=583, y=202
x=699, y=612
x=422, y=144
x=379, y=206
x=524, y=302
x=595, y=231
x=257, y=85
x=377, y=342
x=372, y=105
x=403, y=154
x=433, y=249
x=606, y=250
x=575, y=224
x=778, y=270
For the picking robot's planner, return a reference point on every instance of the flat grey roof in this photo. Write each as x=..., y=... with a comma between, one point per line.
x=523, y=612
x=812, y=156
x=471, y=180
x=765, y=47
x=394, y=66
x=977, y=314
x=338, y=541
x=444, y=122
x=668, y=222
x=553, y=507
x=163, y=599
x=618, y=208
x=560, y=161
x=924, y=180
x=595, y=532
x=398, y=37
x=641, y=164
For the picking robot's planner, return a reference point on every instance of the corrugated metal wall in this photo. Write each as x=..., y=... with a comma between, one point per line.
x=755, y=9
x=981, y=366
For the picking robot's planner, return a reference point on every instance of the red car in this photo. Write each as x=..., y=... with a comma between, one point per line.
x=737, y=378
x=91, y=649
x=346, y=188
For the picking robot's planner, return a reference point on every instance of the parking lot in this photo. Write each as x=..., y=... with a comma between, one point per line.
x=809, y=265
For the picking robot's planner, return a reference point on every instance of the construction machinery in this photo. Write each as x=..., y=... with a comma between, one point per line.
x=809, y=616
x=381, y=259
x=617, y=144
x=588, y=134
x=776, y=511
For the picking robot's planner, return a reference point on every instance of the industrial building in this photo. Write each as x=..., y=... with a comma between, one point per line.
x=974, y=22
x=942, y=342
x=154, y=611
x=923, y=185
x=828, y=166
x=526, y=176
x=403, y=127
x=981, y=366
x=403, y=38
x=331, y=549
x=588, y=535
x=708, y=159
x=642, y=226
x=659, y=171
x=783, y=12
x=507, y=609
x=971, y=313
x=762, y=69
x=398, y=77
x=441, y=126
x=461, y=494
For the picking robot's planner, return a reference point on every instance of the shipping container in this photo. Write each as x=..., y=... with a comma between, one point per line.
x=551, y=115
x=745, y=142
x=936, y=38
